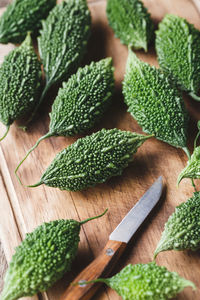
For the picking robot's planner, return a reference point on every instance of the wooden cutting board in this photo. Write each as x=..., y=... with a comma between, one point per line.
x=23, y=209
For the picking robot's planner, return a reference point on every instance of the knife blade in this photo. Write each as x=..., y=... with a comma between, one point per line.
x=136, y=216
x=116, y=245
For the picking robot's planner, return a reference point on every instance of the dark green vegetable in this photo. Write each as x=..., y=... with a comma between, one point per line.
x=146, y=281
x=22, y=16
x=131, y=22
x=178, y=49
x=20, y=80
x=192, y=170
x=92, y=159
x=63, y=41
x=42, y=258
x=155, y=103
x=81, y=102
x=182, y=230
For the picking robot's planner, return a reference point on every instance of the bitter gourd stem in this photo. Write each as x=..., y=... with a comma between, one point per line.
x=195, y=97
x=5, y=134
x=99, y=216
x=49, y=134
x=195, y=141
x=34, y=185
x=45, y=90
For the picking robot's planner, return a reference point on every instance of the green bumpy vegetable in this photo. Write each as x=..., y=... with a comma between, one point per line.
x=20, y=81
x=146, y=281
x=178, y=49
x=63, y=41
x=192, y=170
x=155, y=103
x=42, y=258
x=182, y=230
x=81, y=102
x=92, y=159
x=22, y=16
x=131, y=22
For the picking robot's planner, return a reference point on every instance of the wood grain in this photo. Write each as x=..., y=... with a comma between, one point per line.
x=3, y=266
x=3, y=262
x=99, y=268
x=23, y=209
x=197, y=4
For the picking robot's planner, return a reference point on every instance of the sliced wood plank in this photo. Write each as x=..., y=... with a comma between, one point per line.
x=3, y=266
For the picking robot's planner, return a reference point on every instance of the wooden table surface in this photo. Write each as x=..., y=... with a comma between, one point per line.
x=3, y=262
x=24, y=209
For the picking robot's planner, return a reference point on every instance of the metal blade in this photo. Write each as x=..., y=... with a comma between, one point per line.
x=136, y=216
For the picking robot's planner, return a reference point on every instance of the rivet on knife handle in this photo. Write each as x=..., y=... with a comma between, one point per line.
x=99, y=267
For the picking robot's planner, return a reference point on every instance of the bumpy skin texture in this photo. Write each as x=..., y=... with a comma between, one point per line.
x=92, y=159
x=182, y=230
x=22, y=16
x=154, y=103
x=83, y=99
x=178, y=49
x=147, y=282
x=192, y=170
x=41, y=259
x=63, y=39
x=131, y=22
x=20, y=80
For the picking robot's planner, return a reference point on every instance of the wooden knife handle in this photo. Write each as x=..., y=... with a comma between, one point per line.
x=100, y=267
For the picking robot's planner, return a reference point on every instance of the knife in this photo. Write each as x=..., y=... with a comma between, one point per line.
x=118, y=240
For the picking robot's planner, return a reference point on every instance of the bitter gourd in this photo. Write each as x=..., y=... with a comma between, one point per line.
x=42, y=258
x=63, y=41
x=155, y=103
x=182, y=230
x=22, y=16
x=146, y=281
x=92, y=159
x=131, y=22
x=81, y=102
x=192, y=170
x=20, y=81
x=178, y=49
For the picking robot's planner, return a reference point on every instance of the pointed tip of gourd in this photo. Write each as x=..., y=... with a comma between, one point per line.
x=145, y=47
x=93, y=218
x=108, y=61
x=132, y=58
x=28, y=39
x=180, y=177
x=149, y=136
x=187, y=152
x=155, y=254
x=146, y=137
x=188, y=283
x=160, y=247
